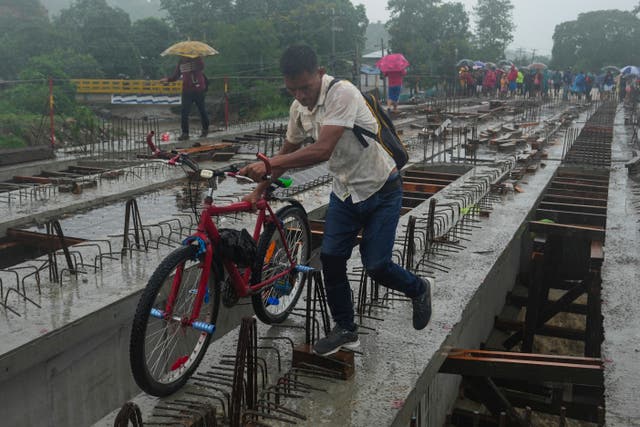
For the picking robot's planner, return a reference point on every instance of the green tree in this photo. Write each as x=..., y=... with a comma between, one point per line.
x=65, y=63
x=335, y=29
x=316, y=22
x=494, y=28
x=596, y=39
x=25, y=31
x=429, y=34
x=23, y=106
x=151, y=36
x=195, y=19
x=95, y=28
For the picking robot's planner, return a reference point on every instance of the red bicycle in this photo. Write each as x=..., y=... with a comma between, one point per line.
x=176, y=314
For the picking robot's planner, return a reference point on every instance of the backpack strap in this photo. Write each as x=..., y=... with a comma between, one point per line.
x=333, y=82
x=357, y=130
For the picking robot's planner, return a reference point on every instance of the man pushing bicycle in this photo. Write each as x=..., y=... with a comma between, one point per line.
x=366, y=194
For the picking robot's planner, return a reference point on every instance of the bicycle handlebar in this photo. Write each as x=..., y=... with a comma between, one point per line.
x=231, y=171
x=267, y=165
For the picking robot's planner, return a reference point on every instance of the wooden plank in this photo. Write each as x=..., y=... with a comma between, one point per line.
x=87, y=169
x=573, y=199
x=579, y=180
x=41, y=240
x=590, y=232
x=567, y=185
x=565, y=217
x=422, y=188
x=576, y=193
x=341, y=364
x=33, y=179
x=60, y=174
x=573, y=207
x=427, y=173
x=569, y=173
x=426, y=180
x=525, y=366
x=416, y=195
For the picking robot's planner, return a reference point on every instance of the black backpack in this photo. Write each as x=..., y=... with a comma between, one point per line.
x=387, y=135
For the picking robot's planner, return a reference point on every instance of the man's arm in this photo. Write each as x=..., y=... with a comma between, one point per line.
x=312, y=154
x=257, y=192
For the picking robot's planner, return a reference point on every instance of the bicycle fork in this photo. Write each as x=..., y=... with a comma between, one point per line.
x=201, y=295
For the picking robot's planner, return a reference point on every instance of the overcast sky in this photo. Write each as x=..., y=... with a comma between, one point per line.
x=535, y=19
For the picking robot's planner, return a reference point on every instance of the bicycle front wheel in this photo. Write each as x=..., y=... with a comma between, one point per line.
x=164, y=352
x=275, y=302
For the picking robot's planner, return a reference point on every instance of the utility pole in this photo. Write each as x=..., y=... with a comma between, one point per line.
x=533, y=55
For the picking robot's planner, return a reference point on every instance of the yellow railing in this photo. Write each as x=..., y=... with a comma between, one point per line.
x=146, y=87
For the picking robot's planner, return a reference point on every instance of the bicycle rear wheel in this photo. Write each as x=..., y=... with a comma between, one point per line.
x=275, y=302
x=164, y=352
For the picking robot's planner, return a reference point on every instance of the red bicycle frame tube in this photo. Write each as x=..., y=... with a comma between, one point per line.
x=208, y=232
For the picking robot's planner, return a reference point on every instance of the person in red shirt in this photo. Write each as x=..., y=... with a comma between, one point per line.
x=394, y=80
x=194, y=86
x=489, y=83
x=512, y=77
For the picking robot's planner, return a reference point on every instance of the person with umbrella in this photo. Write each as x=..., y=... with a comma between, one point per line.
x=190, y=69
x=394, y=79
x=394, y=68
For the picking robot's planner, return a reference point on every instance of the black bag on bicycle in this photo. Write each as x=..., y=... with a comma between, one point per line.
x=238, y=246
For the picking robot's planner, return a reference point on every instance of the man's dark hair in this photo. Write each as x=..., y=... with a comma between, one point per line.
x=297, y=59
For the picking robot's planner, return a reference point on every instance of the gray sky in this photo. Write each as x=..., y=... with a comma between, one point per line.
x=535, y=19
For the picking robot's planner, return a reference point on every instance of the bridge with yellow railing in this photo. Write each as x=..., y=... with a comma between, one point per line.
x=123, y=87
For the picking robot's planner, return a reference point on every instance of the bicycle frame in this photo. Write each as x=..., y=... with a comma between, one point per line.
x=208, y=233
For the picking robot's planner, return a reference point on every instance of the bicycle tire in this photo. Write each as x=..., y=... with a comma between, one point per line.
x=164, y=354
x=275, y=302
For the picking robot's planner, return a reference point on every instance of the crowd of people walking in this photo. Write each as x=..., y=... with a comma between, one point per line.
x=539, y=81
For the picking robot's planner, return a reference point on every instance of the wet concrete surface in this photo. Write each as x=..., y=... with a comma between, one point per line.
x=620, y=291
x=399, y=365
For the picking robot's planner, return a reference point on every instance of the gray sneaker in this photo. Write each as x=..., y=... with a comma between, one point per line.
x=337, y=339
x=422, y=307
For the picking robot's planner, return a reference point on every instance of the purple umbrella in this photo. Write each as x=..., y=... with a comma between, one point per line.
x=392, y=63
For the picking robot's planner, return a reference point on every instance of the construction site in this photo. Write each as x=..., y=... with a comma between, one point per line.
x=524, y=212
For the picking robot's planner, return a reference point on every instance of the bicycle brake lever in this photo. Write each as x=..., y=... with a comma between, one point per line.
x=240, y=177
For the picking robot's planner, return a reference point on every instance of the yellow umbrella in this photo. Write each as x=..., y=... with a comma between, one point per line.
x=190, y=49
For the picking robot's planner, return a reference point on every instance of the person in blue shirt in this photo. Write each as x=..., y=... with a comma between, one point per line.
x=567, y=80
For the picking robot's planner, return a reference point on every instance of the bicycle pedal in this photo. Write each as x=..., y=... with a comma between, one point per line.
x=273, y=301
x=304, y=268
x=204, y=327
x=158, y=314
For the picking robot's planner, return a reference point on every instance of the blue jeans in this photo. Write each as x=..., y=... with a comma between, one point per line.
x=377, y=217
